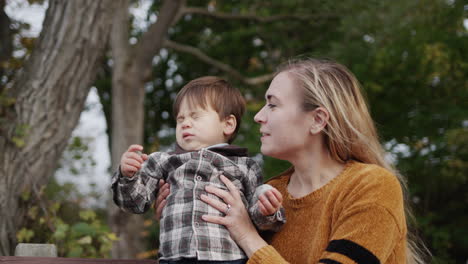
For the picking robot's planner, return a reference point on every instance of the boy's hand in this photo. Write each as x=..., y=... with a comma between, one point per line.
x=269, y=202
x=131, y=160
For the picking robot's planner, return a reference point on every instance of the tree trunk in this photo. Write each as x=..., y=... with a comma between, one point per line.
x=132, y=68
x=49, y=96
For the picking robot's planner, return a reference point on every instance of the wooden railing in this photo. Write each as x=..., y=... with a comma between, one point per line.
x=47, y=254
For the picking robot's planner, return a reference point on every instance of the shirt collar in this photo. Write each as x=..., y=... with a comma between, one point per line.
x=224, y=149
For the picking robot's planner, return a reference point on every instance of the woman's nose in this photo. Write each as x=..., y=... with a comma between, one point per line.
x=259, y=117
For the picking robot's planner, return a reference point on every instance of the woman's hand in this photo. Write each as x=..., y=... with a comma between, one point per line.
x=163, y=192
x=236, y=217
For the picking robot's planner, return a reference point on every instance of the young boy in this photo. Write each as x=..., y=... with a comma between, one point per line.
x=208, y=112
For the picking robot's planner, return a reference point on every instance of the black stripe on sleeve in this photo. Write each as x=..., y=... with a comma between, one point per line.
x=353, y=251
x=329, y=261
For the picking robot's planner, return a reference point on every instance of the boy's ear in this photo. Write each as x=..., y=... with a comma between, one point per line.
x=320, y=117
x=230, y=124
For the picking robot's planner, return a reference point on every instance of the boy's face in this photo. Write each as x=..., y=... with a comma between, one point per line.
x=199, y=128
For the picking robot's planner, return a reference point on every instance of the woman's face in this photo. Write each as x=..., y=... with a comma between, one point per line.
x=285, y=127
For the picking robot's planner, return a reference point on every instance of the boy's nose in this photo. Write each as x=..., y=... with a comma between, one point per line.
x=186, y=124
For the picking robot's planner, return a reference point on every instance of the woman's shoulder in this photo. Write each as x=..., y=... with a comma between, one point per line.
x=372, y=184
x=371, y=174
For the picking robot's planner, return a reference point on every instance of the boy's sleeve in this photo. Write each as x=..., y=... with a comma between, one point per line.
x=254, y=189
x=136, y=194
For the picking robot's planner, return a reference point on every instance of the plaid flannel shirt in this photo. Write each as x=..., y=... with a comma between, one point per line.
x=183, y=233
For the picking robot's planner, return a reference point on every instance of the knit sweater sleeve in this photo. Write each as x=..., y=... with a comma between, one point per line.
x=366, y=234
x=369, y=225
x=266, y=255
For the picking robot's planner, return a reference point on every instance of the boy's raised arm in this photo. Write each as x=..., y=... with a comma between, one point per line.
x=132, y=160
x=135, y=183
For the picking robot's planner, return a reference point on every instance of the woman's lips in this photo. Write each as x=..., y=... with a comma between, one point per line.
x=264, y=134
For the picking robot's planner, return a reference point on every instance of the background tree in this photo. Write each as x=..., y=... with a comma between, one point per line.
x=41, y=105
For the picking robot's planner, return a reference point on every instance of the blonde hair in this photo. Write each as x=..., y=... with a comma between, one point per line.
x=350, y=133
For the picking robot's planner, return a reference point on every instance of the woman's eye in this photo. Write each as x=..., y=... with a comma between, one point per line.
x=271, y=105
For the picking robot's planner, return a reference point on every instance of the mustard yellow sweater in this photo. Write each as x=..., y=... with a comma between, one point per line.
x=358, y=217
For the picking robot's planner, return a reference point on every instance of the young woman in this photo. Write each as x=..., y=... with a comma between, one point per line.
x=344, y=202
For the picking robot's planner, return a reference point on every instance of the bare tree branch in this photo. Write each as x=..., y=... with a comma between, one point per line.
x=253, y=17
x=218, y=64
x=151, y=41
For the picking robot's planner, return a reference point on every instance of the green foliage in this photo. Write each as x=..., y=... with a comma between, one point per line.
x=78, y=157
x=21, y=132
x=25, y=235
x=60, y=214
x=54, y=218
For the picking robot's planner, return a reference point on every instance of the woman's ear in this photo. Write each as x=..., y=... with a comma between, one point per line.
x=230, y=124
x=320, y=117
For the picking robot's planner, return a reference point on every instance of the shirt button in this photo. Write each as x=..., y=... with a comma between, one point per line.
x=197, y=225
x=198, y=178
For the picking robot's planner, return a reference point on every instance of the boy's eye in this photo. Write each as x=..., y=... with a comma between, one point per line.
x=180, y=119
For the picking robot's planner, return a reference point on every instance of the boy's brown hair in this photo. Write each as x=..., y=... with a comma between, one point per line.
x=215, y=92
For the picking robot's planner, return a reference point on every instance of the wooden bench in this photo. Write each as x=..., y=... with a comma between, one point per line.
x=47, y=254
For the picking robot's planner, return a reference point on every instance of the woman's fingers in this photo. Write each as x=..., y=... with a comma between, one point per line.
x=214, y=219
x=161, y=201
x=231, y=187
x=237, y=219
x=164, y=191
x=215, y=203
x=226, y=196
x=159, y=208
